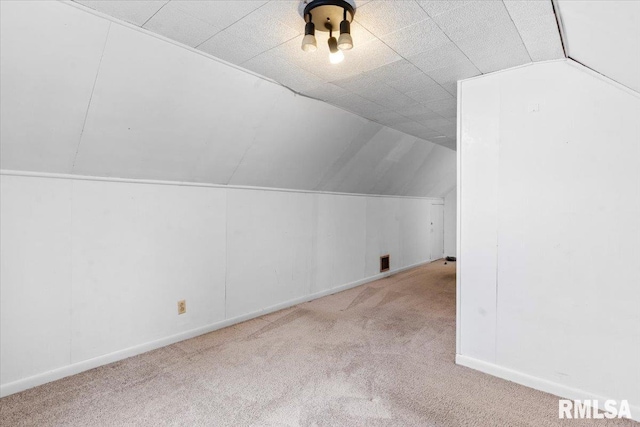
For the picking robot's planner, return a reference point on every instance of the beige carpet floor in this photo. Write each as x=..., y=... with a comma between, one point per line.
x=381, y=354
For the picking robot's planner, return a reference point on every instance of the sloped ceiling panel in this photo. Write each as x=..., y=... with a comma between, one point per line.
x=604, y=36
x=45, y=113
x=407, y=54
x=158, y=113
x=136, y=12
x=83, y=95
x=537, y=24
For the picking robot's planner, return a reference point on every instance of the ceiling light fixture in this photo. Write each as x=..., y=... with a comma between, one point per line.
x=328, y=15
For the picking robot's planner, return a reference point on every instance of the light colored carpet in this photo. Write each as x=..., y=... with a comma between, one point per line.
x=381, y=354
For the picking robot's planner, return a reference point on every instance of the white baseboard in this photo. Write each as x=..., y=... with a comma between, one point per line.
x=547, y=386
x=85, y=365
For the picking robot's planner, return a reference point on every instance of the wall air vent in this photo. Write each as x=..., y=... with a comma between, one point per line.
x=384, y=263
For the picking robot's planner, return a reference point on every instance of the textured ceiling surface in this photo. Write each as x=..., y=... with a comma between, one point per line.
x=407, y=55
x=604, y=36
x=83, y=95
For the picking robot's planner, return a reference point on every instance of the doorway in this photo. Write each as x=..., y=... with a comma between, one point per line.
x=437, y=232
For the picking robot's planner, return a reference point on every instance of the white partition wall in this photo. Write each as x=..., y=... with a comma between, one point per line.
x=549, y=231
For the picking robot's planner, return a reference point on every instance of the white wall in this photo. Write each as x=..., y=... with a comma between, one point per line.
x=84, y=95
x=92, y=270
x=550, y=231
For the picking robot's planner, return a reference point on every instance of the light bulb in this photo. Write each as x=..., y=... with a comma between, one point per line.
x=336, y=57
x=309, y=43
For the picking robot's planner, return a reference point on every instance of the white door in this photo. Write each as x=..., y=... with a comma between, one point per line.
x=437, y=231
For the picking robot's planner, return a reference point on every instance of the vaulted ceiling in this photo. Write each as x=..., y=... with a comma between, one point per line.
x=406, y=60
x=83, y=95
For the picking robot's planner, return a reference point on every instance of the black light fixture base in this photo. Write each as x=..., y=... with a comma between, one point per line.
x=331, y=12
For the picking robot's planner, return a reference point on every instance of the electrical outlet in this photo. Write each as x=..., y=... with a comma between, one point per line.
x=182, y=307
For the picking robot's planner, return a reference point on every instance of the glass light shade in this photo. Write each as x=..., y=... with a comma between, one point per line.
x=336, y=57
x=345, y=42
x=309, y=43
